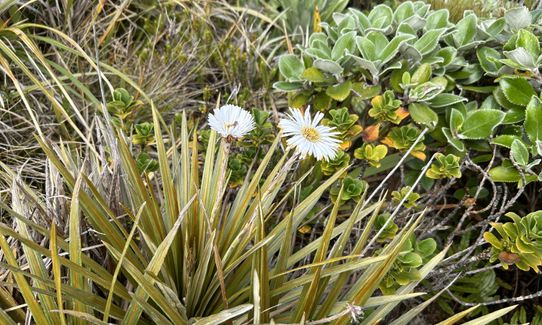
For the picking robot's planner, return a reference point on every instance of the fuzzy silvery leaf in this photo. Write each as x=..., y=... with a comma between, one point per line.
x=392, y=48
x=445, y=99
x=519, y=58
x=328, y=66
x=518, y=18
x=291, y=67
x=492, y=27
x=437, y=19
x=381, y=16
x=466, y=30
x=403, y=12
x=425, y=91
x=345, y=43
x=489, y=60
x=429, y=41
x=529, y=42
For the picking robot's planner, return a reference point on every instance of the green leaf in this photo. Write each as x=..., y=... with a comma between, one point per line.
x=481, y=123
x=422, y=114
x=366, y=91
x=403, y=12
x=313, y=75
x=381, y=16
x=518, y=90
x=519, y=58
x=505, y=140
x=437, y=19
x=529, y=42
x=466, y=30
x=533, y=120
x=429, y=41
x=452, y=140
x=288, y=86
x=519, y=152
x=456, y=120
x=445, y=100
x=328, y=66
x=488, y=57
x=339, y=92
x=422, y=74
x=508, y=174
x=291, y=67
x=393, y=47
x=345, y=43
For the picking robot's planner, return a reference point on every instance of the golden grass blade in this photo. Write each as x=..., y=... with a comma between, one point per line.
x=384, y=300
x=57, y=276
x=311, y=247
x=34, y=260
x=410, y=314
x=84, y=317
x=101, y=218
x=34, y=307
x=486, y=319
x=368, y=282
x=95, y=274
x=156, y=316
x=309, y=296
x=328, y=272
x=76, y=280
x=119, y=265
x=224, y=315
x=256, y=297
x=5, y=319
x=148, y=290
x=406, y=289
x=457, y=317
x=7, y=301
x=356, y=216
x=134, y=310
x=92, y=301
x=261, y=268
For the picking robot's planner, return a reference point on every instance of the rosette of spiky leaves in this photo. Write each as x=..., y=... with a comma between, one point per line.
x=145, y=163
x=144, y=134
x=390, y=229
x=410, y=201
x=444, y=166
x=352, y=189
x=387, y=108
x=263, y=132
x=340, y=161
x=238, y=167
x=520, y=241
x=402, y=138
x=405, y=269
x=345, y=123
x=122, y=106
x=371, y=153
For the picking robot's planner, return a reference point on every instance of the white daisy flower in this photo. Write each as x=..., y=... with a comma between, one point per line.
x=308, y=137
x=231, y=121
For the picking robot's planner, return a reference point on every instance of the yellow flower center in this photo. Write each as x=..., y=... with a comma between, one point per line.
x=310, y=134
